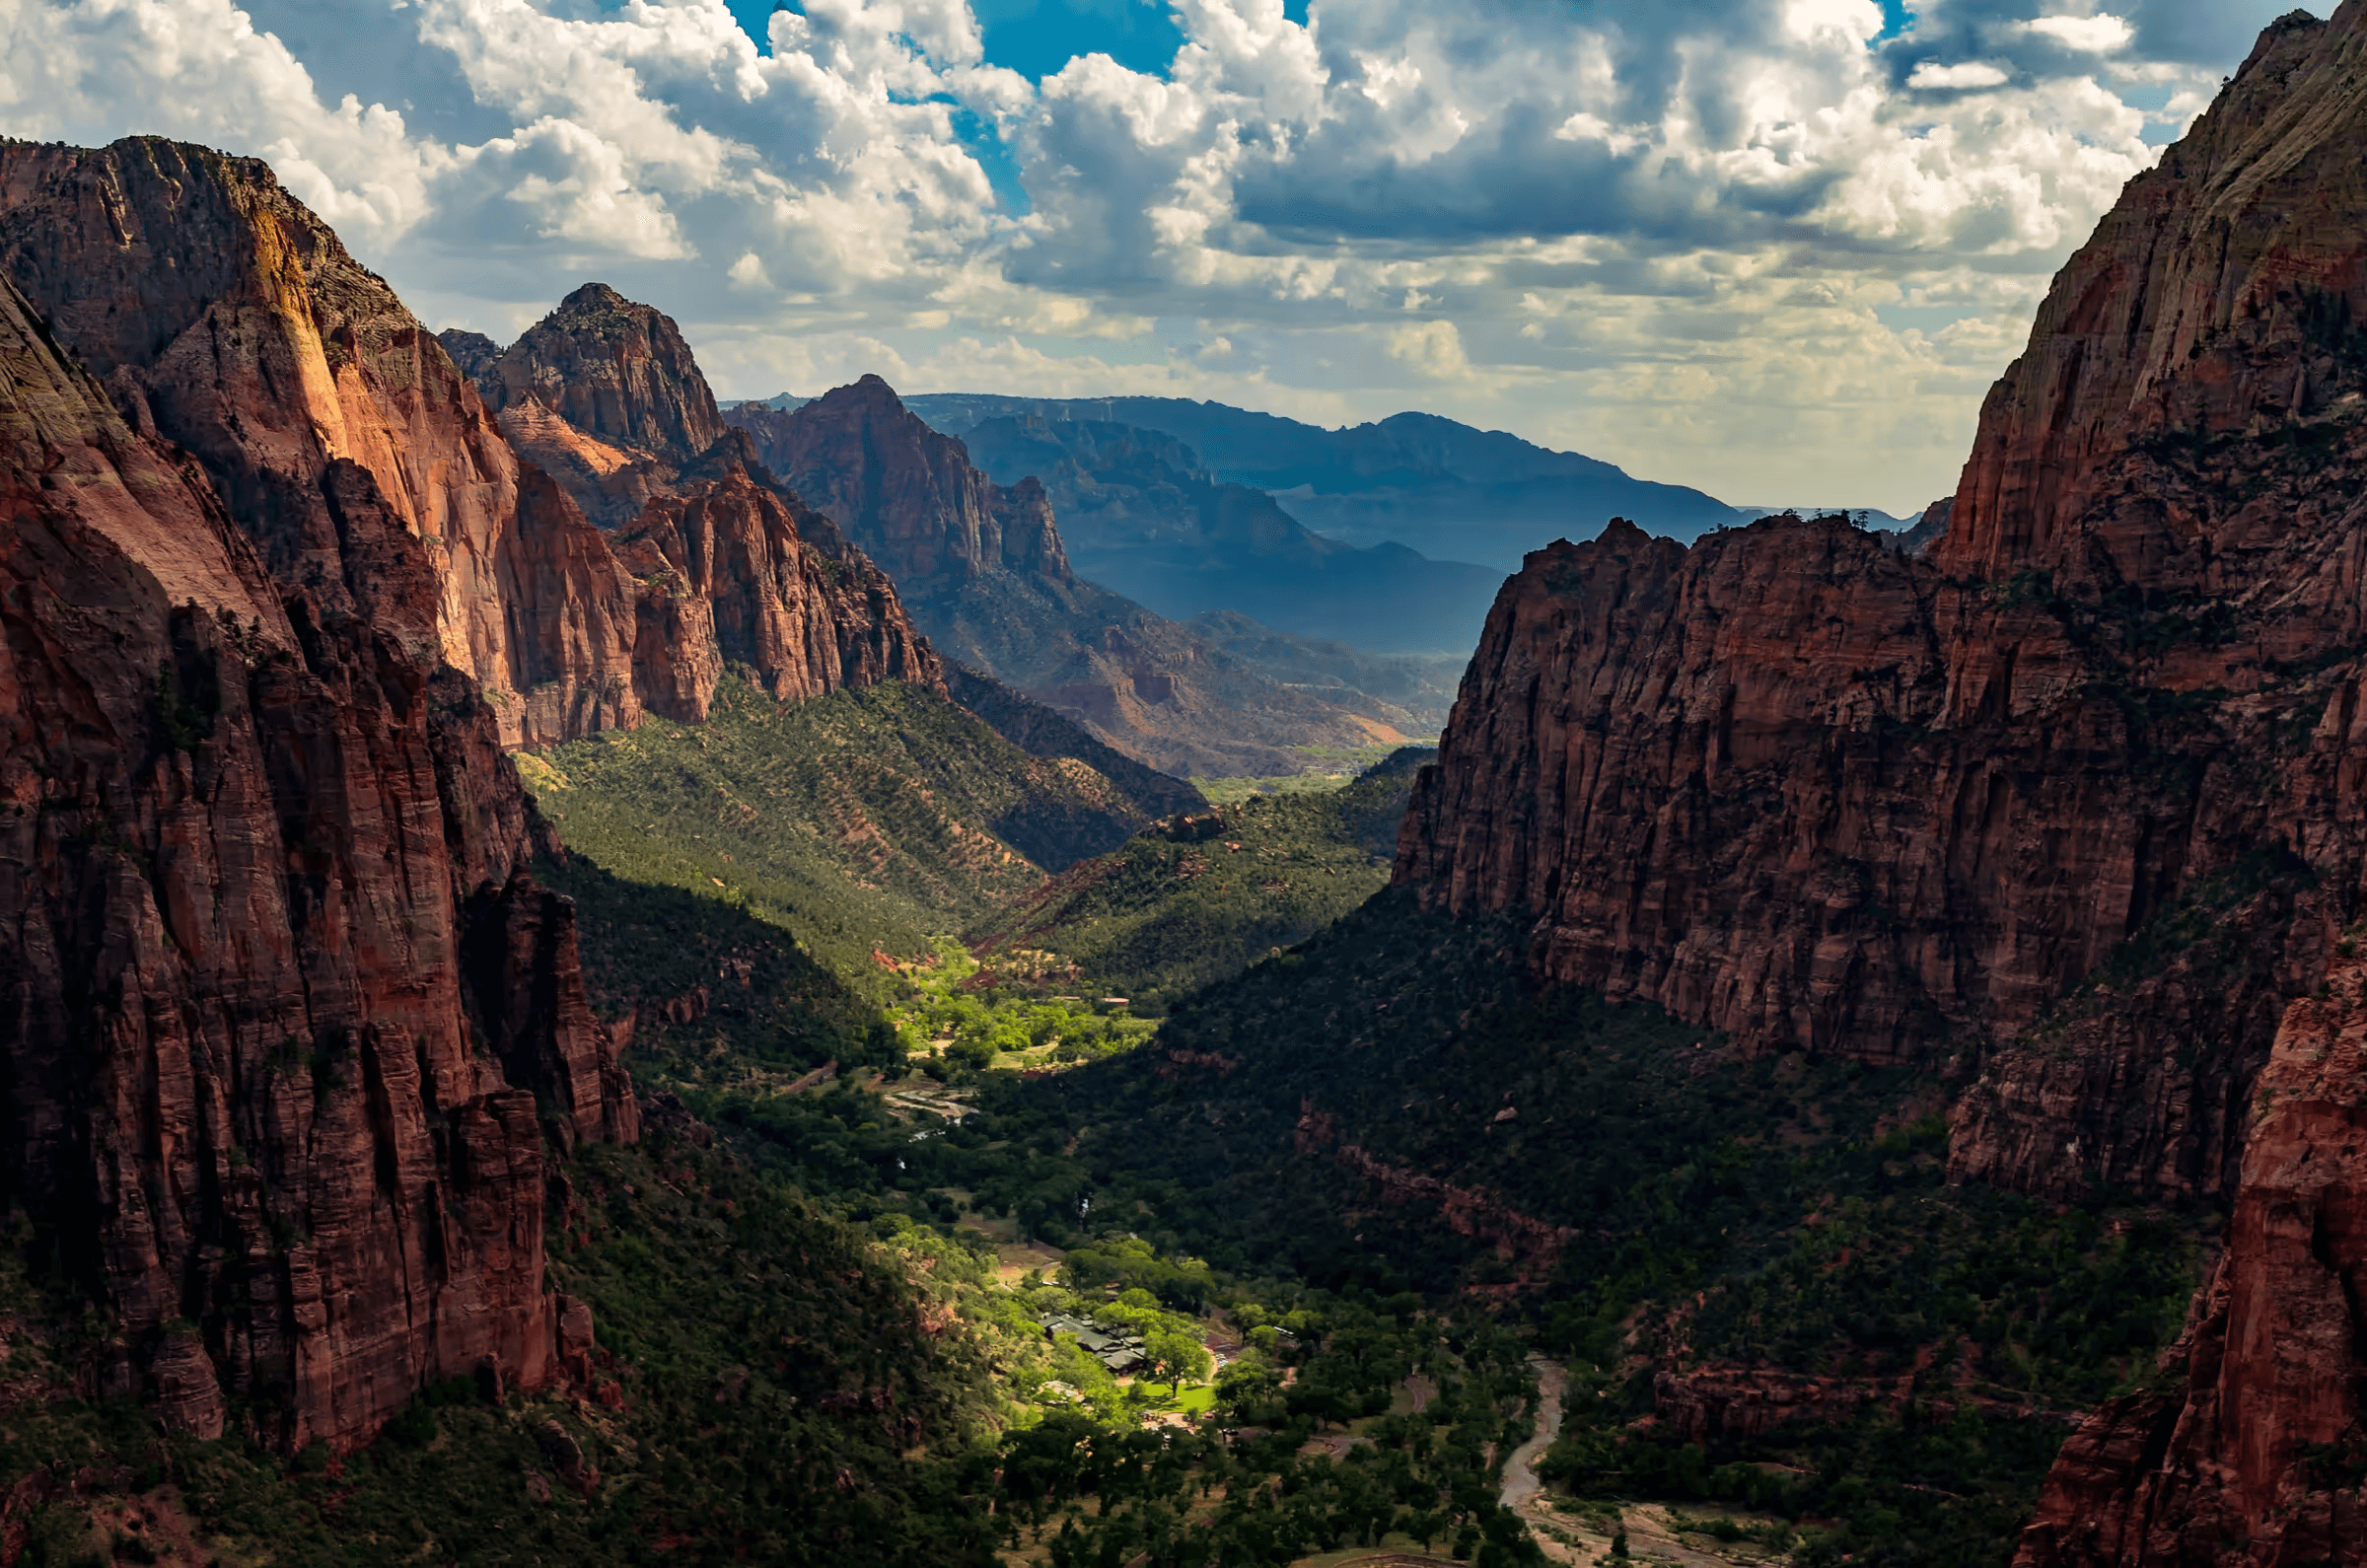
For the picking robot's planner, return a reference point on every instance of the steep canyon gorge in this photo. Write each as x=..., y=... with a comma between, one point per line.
x=2063, y=813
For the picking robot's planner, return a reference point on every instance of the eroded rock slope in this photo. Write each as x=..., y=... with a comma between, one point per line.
x=268, y=1084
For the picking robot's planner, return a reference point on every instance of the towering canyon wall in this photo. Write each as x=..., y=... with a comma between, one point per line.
x=260, y=866
x=225, y=317
x=2069, y=808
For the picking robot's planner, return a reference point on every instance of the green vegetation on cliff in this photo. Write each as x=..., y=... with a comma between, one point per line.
x=863, y=820
x=1200, y=900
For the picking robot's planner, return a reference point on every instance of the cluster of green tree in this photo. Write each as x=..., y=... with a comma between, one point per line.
x=1399, y=1469
x=1660, y=1202
x=860, y=820
x=1177, y=909
x=963, y=1031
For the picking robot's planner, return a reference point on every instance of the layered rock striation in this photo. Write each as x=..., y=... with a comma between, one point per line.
x=226, y=320
x=261, y=863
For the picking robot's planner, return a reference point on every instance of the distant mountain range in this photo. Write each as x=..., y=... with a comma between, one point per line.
x=1142, y=516
x=1427, y=483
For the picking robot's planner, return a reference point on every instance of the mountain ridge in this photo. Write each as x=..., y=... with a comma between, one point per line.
x=1141, y=516
x=1436, y=486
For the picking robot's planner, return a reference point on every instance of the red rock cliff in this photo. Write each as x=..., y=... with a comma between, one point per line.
x=259, y=863
x=2072, y=807
x=2257, y=1462
x=2222, y=296
x=225, y=317
x=906, y=493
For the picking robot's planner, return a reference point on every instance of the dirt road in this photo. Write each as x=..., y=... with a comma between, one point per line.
x=1519, y=1472
x=1574, y=1538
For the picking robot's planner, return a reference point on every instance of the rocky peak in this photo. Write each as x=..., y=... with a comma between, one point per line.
x=471, y=352
x=615, y=370
x=906, y=494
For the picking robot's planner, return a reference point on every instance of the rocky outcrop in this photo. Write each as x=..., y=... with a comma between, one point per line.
x=725, y=567
x=471, y=352
x=617, y=371
x=226, y=319
x=243, y=816
x=1734, y=1404
x=908, y=495
x=2261, y=1460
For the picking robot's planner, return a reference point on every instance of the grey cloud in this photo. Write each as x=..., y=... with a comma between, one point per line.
x=2190, y=32
x=372, y=50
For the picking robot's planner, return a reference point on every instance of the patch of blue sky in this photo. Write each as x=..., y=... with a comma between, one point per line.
x=1036, y=38
x=2153, y=97
x=979, y=138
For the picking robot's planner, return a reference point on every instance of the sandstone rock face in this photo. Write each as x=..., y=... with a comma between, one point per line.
x=615, y=370
x=726, y=576
x=904, y=493
x=1795, y=785
x=242, y=819
x=2266, y=1449
x=225, y=317
x=2071, y=806
x=2217, y=298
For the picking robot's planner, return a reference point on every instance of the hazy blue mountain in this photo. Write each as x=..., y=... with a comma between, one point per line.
x=1438, y=488
x=1141, y=516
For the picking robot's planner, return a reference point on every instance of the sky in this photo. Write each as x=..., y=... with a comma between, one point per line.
x=1774, y=249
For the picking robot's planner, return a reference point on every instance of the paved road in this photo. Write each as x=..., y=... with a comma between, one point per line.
x=1519, y=1472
